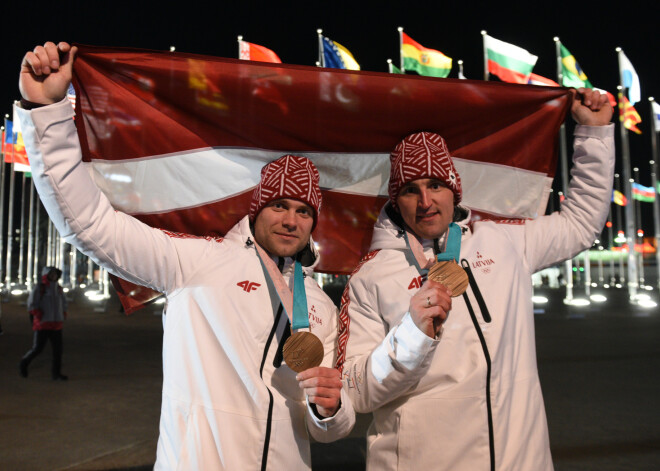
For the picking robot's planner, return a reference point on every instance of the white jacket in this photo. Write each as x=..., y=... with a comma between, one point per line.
x=227, y=402
x=429, y=396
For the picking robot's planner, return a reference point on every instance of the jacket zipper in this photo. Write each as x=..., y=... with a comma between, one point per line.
x=269, y=421
x=486, y=315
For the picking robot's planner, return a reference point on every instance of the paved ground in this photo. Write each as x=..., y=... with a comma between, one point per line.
x=600, y=369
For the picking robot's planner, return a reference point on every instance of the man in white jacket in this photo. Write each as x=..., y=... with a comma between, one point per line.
x=453, y=382
x=229, y=399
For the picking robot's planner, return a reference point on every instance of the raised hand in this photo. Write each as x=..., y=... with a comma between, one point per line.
x=590, y=107
x=46, y=73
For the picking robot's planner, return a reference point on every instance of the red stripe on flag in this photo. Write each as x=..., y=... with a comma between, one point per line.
x=506, y=75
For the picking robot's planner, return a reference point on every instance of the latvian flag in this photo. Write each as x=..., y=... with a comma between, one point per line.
x=178, y=140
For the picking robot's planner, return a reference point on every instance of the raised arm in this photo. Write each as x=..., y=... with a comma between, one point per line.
x=80, y=211
x=565, y=233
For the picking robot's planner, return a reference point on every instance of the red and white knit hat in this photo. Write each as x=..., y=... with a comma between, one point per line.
x=422, y=155
x=289, y=176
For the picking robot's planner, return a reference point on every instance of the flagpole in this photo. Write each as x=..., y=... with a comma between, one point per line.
x=483, y=36
x=10, y=225
x=654, y=182
x=37, y=240
x=610, y=241
x=21, y=245
x=240, y=40
x=31, y=245
x=389, y=66
x=621, y=224
x=2, y=201
x=321, y=58
x=630, y=215
x=400, y=29
x=563, y=158
x=639, y=239
x=460, y=69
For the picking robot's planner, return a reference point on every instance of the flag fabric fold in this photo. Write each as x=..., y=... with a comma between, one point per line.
x=630, y=78
x=337, y=56
x=509, y=62
x=255, y=52
x=423, y=60
x=163, y=149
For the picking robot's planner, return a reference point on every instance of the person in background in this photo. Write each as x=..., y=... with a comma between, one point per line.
x=47, y=308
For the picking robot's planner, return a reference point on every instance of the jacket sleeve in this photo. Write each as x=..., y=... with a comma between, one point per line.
x=565, y=233
x=381, y=364
x=339, y=425
x=83, y=215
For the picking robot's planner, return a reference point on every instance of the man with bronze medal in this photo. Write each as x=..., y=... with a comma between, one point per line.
x=440, y=344
x=240, y=392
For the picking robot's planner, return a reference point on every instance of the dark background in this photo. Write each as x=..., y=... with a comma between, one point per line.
x=591, y=31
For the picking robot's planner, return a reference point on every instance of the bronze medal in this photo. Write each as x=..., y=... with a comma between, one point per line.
x=302, y=350
x=451, y=275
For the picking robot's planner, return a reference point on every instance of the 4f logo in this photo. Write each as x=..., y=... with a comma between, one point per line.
x=248, y=285
x=417, y=282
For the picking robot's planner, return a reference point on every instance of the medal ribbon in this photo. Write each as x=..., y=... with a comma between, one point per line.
x=452, y=248
x=295, y=304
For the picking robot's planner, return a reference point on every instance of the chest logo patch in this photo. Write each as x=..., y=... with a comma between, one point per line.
x=483, y=263
x=417, y=282
x=248, y=285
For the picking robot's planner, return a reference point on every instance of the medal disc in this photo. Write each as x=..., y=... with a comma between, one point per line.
x=302, y=350
x=451, y=275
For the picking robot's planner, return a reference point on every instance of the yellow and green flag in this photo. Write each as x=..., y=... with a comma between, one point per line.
x=573, y=75
x=422, y=60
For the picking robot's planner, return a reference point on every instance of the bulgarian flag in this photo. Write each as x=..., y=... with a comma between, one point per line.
x=178, y=140
x=510, y=63
x=254, y=52
x=422, y=60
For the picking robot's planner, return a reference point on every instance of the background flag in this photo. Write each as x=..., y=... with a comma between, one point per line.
x=656, y=115
x=510, y=63
x=393, y=69
x=422, y=60
x=572, y=73
x=254, y=52
x=337, y=56
x=629, y=115
x=535, y=79
x=643, y=193
x=188, y=166
x=619, y=198
x=14, y=149
x=630, y=79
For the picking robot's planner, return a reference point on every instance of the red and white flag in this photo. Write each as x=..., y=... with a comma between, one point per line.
x=255, y=52
x=178, y=140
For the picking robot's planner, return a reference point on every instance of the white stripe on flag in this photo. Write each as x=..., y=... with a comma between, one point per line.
x=185, y=180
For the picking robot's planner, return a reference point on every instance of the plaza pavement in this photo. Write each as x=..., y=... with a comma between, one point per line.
x=599, y=368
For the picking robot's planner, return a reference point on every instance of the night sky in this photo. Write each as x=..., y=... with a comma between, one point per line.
x=368, y=29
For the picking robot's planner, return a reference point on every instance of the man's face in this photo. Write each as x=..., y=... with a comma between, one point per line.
x=427, y=207
x=283, y=227
x=52, y=275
